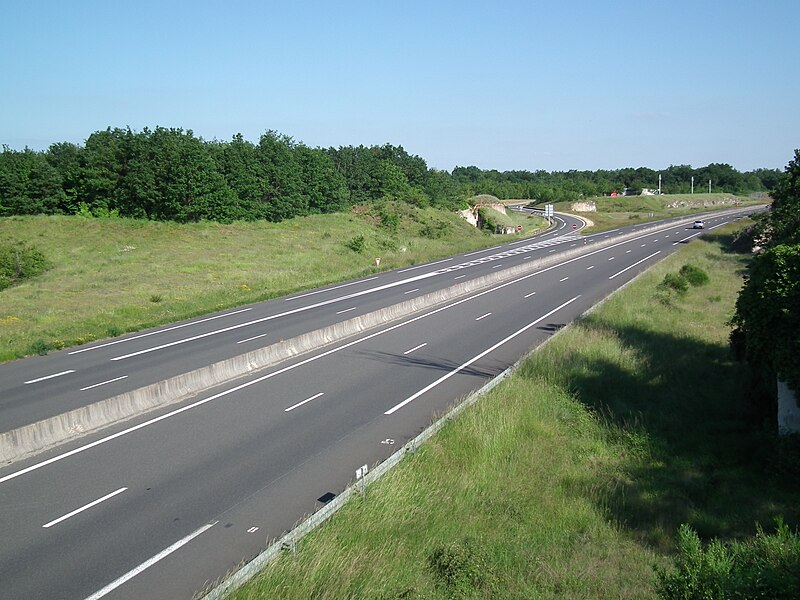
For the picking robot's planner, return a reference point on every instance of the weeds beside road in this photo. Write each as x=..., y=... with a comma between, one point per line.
x=570, y=480
x=111, y=276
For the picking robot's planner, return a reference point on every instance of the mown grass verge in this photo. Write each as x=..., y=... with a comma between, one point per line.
x=569, y=480
x=111, y=276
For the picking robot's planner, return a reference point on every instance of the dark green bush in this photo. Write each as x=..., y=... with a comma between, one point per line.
x=694, y=275
x=463, y=568
x=675, y=282
x=40, y=347
x=389, y=220
x=357, y=244
x=435, y=230
x=764, y=566
x=19, y=261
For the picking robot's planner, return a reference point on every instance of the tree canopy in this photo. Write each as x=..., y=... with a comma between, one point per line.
x=170, y=174
x=767, y=310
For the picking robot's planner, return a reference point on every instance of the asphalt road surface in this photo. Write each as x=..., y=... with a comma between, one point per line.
x=163, y=504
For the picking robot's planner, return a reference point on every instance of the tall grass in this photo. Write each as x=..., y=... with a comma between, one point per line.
x=628, y=210
x=110, y=276
x=569, y=480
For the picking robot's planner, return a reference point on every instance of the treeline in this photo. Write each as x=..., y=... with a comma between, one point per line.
x=169, y=174
x=571, y=185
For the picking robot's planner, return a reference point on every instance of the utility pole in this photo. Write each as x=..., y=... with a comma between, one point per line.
x=693, y=184
x=709, y=186
x=659, y=184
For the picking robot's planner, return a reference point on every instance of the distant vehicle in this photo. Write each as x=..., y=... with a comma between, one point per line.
x=698, y=225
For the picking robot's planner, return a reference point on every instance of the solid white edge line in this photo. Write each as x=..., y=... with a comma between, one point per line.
x=83, y=508
x=88, y=387
x=314, y=397
x=447, y=376
x=49, y=376
x=634, y=264
x=300, y=363
x=317, y=305
x=150, y=562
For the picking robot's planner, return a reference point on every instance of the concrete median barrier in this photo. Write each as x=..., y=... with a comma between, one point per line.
x=36, y=437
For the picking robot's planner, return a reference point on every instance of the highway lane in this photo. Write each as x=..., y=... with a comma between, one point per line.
x=36, y=388
x=40, y=387
x=160, y=504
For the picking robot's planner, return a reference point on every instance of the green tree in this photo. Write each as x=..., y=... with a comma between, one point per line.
x=359, y=166
x=323, y=185
x=29, y=185
x=767, y=319
x=67, y=160
x=284, y=198
x=106, y=157
x=784, y=219
x=443, y=191
x=171, y=175
x=245, y=175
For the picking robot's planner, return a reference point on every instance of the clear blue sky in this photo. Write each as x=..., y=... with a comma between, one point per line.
x=501, y=85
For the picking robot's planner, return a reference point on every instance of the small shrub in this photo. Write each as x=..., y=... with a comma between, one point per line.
x=357, y=244
x=99, y=211
x=435, y=230
x=463, y=568
x=694, y=275
x=19, y=261
x=84, y=210
x=156, y=298
x=40, y=347
x=764, y=566
x=674, y=282
x=114, y=331
x=389, y=220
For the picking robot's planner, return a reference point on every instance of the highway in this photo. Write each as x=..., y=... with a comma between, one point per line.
x=160, y=505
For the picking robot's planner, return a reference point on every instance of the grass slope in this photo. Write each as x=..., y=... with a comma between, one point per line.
x=111, y=276
x=629, y=210
x=570, y=479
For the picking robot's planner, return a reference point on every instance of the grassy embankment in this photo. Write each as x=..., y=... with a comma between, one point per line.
x=110, y=276
x=630, y=210
x=570, y=479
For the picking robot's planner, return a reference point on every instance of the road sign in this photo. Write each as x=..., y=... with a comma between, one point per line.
x=574, y=226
